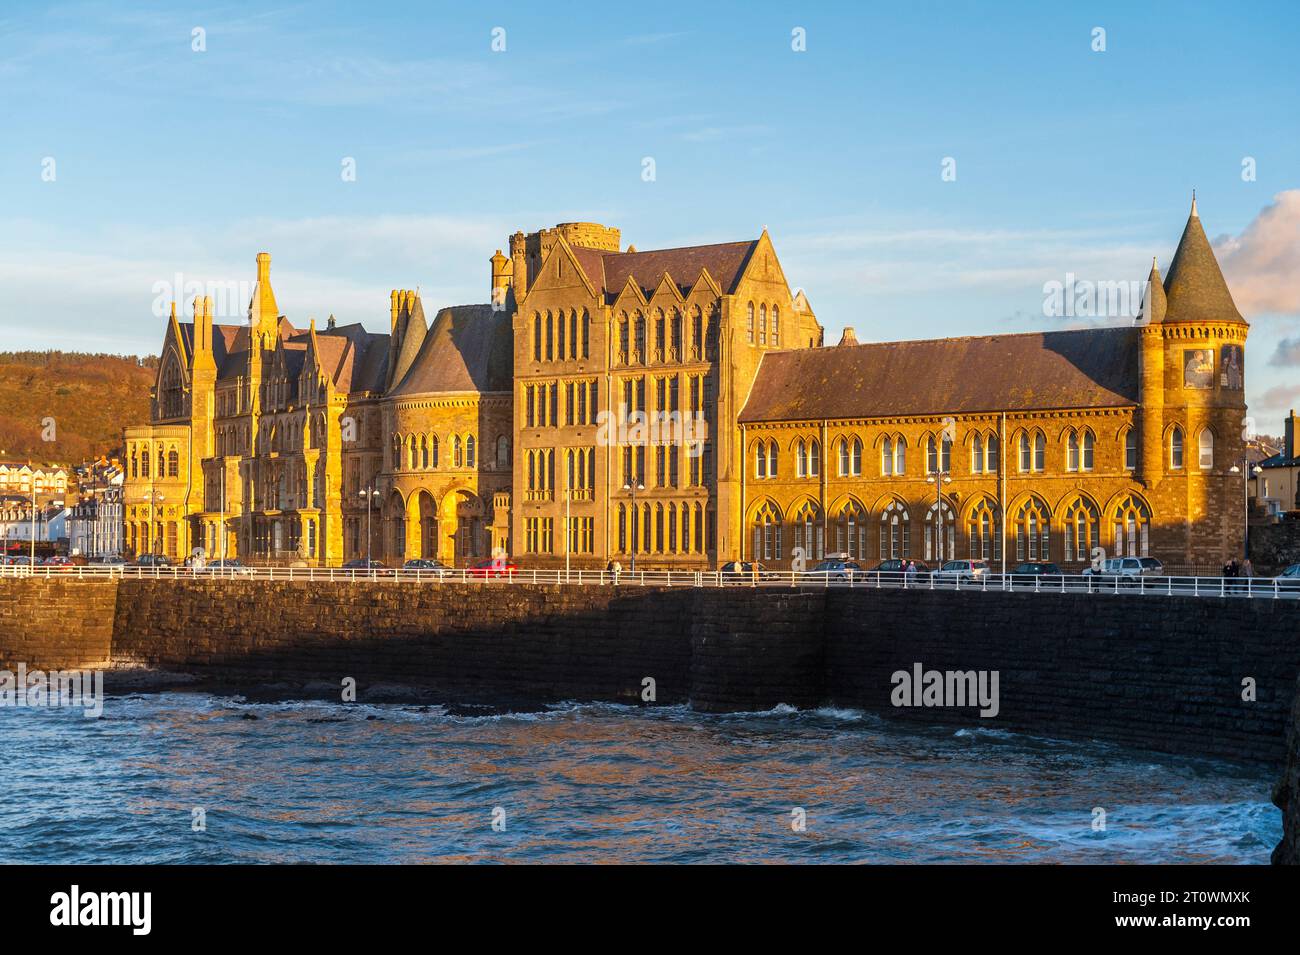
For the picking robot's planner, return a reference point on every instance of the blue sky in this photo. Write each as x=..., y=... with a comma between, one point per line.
x=1068, y=160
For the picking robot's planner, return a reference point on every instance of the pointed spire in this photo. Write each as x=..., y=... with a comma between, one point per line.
x=1154, y=303
x=1194, y=287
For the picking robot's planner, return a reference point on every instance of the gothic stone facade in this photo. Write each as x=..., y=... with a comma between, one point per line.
x=678, y=405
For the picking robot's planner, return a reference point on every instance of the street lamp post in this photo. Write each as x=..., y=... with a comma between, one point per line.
x=1243, y=468
x=939, y=479
x=633, y=487
x=370, y=493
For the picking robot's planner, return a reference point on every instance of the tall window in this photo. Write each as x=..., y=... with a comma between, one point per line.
x=809, y=531
x=895, y=539
x=801, y=459
x=1033, y=451
x=938, y=453
x=814, y=458
x=940, y=533
x=776, y=326
x=984, y=531
x=749, y=321
x=1205, y=449
x=977, y=455
x=1130, y=449
x=887, y=456
x=1032, y=521
x=1176, y=448
x=1132, y=522
x=760, y=459
x=767, y=533
x=851, y=531
x=1072, y=452
x=1082, y=530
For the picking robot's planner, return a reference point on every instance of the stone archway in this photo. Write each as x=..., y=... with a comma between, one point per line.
x=421, y=527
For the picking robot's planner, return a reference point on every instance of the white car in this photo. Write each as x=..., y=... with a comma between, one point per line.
x=1127, y=567
x=961, y=570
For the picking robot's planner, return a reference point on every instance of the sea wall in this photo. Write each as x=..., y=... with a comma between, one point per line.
x=1212, y=676
x=52, y=624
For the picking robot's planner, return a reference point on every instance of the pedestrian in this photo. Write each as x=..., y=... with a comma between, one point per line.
x=910, y=574
x=617, y=570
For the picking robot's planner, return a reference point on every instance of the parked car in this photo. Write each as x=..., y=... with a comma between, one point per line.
x=740, y=571
x=1035, y=573
x=367, y=568
x=17, y=561
x=229, y=567
x=1289, y=579
x=837, y=567
x=963, y=571
x=58, y=561
x=428, y=568
x=895, y=569
x=1127, y=569
x=492, y=567
x=112, y=560
x=152, y=560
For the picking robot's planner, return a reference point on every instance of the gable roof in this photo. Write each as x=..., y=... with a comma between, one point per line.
x=610, y=271
x=1087, y=368
x=468, y=348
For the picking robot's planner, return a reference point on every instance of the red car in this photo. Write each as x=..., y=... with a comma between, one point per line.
x=493, y=567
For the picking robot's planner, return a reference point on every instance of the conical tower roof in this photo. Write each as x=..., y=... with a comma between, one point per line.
x=1154, y=305
x=1195, y=288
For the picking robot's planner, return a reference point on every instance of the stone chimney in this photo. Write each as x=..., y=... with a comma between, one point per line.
x=1289, y=445
x=848, y=338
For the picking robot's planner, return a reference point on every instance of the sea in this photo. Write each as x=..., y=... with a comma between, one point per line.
x=208, y=778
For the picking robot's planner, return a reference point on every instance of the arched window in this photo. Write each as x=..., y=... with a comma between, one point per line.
x=762, y=324
x=855, y=458
x=503, y=451
x=622, y=525
x=697, y=335
x=1132, y=521
x=424, y=451
x=938, y=455
x=586, y=334
x=940, y=533
x=1082, y=530
x=623, y=344
x=410, y=452
x=771, y=459
x=977, y=455
x=1032, y=531
x=1205, y=449
x=550, y=335
x=767, y=533
x=661, y=335
x=573, y=333
x=900, y=455
x=851, y=531
x=677, y=335
x=760, y=460
x=895, y=536
x=433, y=451
x=749, y=320
x=457, y=452
x=537, y=336
x=776, y=326
x=809, y=533
x=800, y=459
x=469, y=451
x=1026, y=454
x=1089, y=443
x=1176, y=448
x=1130, y=449
x=1040, y=451
x=845, y=454
x=887, y=456
x=984, y=531
x=1072, y=451
x=814, y=458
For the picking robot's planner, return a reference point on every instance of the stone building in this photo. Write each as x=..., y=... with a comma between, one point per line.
x=679, y=405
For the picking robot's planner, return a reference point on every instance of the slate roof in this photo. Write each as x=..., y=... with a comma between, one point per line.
x=609, y=271
x=1194, y=287
x=468, y=348
x=1087, y=368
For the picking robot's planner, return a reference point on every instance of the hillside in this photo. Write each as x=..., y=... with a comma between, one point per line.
x=90, y=397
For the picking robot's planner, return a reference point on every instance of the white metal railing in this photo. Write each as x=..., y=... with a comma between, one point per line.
x=1174, y=586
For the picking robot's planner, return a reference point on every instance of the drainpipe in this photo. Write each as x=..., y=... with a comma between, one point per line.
x=1002, y=487
x=744, y=469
